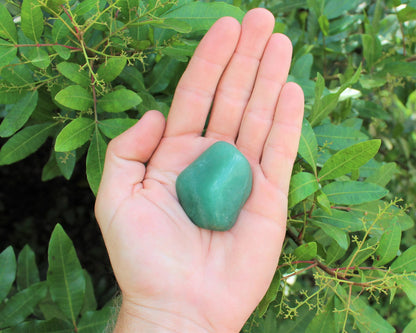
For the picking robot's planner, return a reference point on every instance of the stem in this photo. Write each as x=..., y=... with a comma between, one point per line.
x=47, y=45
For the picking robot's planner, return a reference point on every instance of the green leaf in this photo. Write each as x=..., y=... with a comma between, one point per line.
x=367, y=319
x=65, y=276
x=7, y=272
x=119, y=100
x=59, y=29
x=340, y=236
x=19, y=114
x=25, y=142
x=161, y=75
x=32, y=19
x=27, y=270
x=324, y=321
x=90, y=303
x=371, y=49
x=18, y=74
x=114, y=127
x=39, y=57
x=406, y=262
x=389, y=244
x=50, y=169
x=408, y=285
x=22, y=304
x=408, y=13
x=95, y=160
x=323, y=202
x=306, y=251
x=339, y=219
x=353, y=193
x=410, y=327
x=302, y=185
x=7, y=27
x=7, y=53
x=349, y=159
x=383, y=174
x=172, y=23
x=324, y=24
x=94, y=321
x=308, y=146
x=302, y=67
x=109, y=70
x=74, y=135
x=270, y=295
x=75, y=97
x=358, y=256
x=42, y=326
x=337, y=137
x=133, y=77
x=66, y=162
x=75, y=73
x=334, y=253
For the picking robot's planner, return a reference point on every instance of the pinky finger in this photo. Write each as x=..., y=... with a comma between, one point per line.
x=281, y=146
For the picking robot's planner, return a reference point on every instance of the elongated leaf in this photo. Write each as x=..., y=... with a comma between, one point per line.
x=334, y=253
x=60, y=30
x=7, y=27
x=25, y=142
x=408, y=285
x=18, y=114
x=39, y=57
x=119, y=100
x=95, y=160
x=75, y=73
x=171, y=23
x=74, y=135
x=22, y=304
x=112, y=68
x=7, y=271
x=306, y=251
x=349, y=159
x=324, y=321
x=353, y=193
x=340, y=236
x=65, y=276
x=302, y=185
x=357, y=257
x=308, y=146
x=406, y=262
x=339, y=219
x=270, y=294
x=7, y=53
x=66, y=162
x=337, y=137
x=389, y=244
x=161, y=75
x=114, y=127
x=18, y=75
x=75, y=97
x=410, y=327
x=94, y=321
x=27, y=270
x=383, y=174
x=367, y=319
x=42, y=326
x=90, y=303
x=32, y=19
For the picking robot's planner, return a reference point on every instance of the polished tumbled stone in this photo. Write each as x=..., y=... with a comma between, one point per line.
x=213, y=189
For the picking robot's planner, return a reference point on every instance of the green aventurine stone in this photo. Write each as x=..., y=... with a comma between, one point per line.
x=213, y=189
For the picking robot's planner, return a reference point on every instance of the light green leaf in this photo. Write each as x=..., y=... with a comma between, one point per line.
x=337, y=137
x=408, y=285
x=59, y=29
x=95, y=160
x=74, y=135
x=270, y=295
x=383, y=174
x=408, y=13
x=324, y=24
x=19, y=74
x=339, y=219
x=32, y=19
x=27, y=270
x=306, y=251
x=406, y=262
x=353, y=193
x=114, y=127
x=308, y=146
x=302, y=185
x=7, y=27
x=119, y=100
x=349, y=159
x=340, y=236
x=65, y=276
x=302, y=67
x=75, y=97
x=389, y=244
x=94, y=321
x=7, y=53
x=75, y=73
x=7, y=272
x=171, y=23
x=66, y=162
x=39, y=57
x=109, y=70
x=25, y=142
x=367, y=319
x=323, y=202
x=410, y=327
x=18, y=114
x=22, y=304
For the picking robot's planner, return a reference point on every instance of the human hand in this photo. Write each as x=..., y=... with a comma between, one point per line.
x=173, y=275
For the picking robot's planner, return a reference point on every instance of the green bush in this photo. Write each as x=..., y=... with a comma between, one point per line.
x=81, y=72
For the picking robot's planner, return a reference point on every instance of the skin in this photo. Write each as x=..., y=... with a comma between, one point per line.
x=174, y=276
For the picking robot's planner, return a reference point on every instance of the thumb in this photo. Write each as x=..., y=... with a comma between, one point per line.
x=124, y=163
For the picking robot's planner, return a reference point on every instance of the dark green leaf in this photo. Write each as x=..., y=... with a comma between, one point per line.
x=39, y=57
x=7, y=53
x=406, y=262
x=308, y=146
x=27, y=270
x=66, y=162
x=161, y=75
x=337, y=137
x=60, y=30
x=339, y=219
x=25, y=142
x=119, y=100
x=75, y=97
x=383, y=174
x=324, y=321
x=302, y=185
x=340, y=236
x=133, y=77
x=302, y=67
x=349, y=159
x=7, y=27
x=353, y=193
x=114, y=127
x=42, y=326
x=32, y=19
x=50, y=169
x=389, y=244
x=334, y=253
x=22, y=304
x=7, y=272
x=270, y=294
x=95, y=160
x=65, y=276
x=90, y=303
x=94, y=321
x=74, y=135
x=306, y=251
x=109, y=70
x=18, y=114
x=358, y=256
x=367, y=319
x=75, y=73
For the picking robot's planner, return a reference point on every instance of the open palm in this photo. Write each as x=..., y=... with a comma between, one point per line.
x=166, y=266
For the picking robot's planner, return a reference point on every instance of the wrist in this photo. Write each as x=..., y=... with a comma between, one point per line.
x=138, y=318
